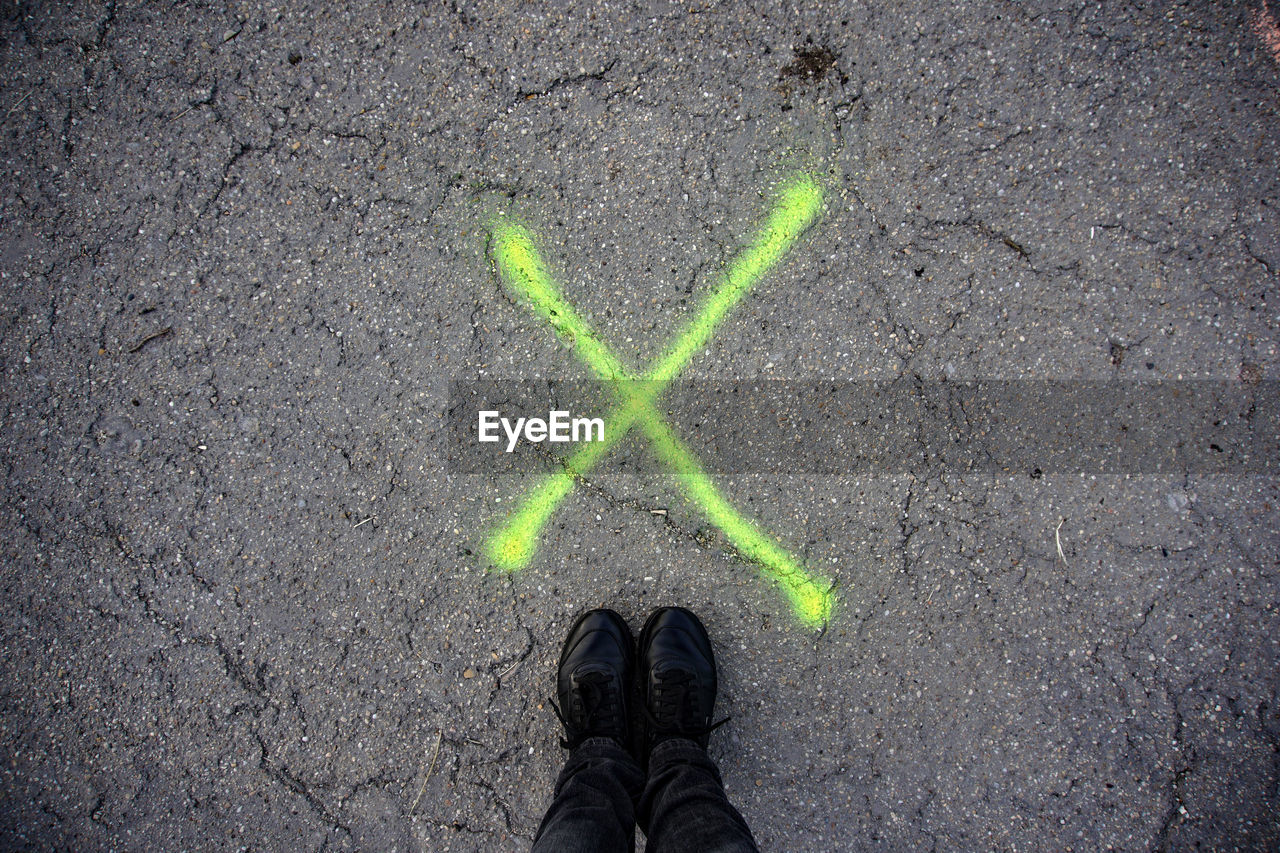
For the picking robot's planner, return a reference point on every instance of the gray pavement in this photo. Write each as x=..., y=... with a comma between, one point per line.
x=244, y=258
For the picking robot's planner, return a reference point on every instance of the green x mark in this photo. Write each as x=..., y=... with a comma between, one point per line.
x=512, y=546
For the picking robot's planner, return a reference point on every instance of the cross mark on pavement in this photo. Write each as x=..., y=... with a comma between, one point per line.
x=521, y=268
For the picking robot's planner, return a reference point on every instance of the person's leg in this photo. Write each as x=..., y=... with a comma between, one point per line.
x=593, y=809
x=683, y=806
x=594, y=804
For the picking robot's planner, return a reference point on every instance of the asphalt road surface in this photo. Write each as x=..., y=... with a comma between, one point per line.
x=246, y=259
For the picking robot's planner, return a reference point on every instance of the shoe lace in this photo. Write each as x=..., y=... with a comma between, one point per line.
x=598, y=710
x=671, y=711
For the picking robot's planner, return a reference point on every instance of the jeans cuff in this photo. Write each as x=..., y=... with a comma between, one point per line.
x=676, y=749
x=601, y=746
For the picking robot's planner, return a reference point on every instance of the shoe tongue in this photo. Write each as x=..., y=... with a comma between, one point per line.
x=599, y=702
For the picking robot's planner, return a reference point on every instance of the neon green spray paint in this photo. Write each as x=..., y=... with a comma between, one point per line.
x=513, y=545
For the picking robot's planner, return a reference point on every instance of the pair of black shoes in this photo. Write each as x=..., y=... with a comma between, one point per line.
x=674, y=681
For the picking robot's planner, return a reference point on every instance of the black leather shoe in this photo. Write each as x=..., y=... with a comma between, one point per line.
x=597, y=666
x=678, y=672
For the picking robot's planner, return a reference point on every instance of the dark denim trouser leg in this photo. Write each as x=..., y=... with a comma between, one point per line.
x=684, y=808
x=593, y=810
